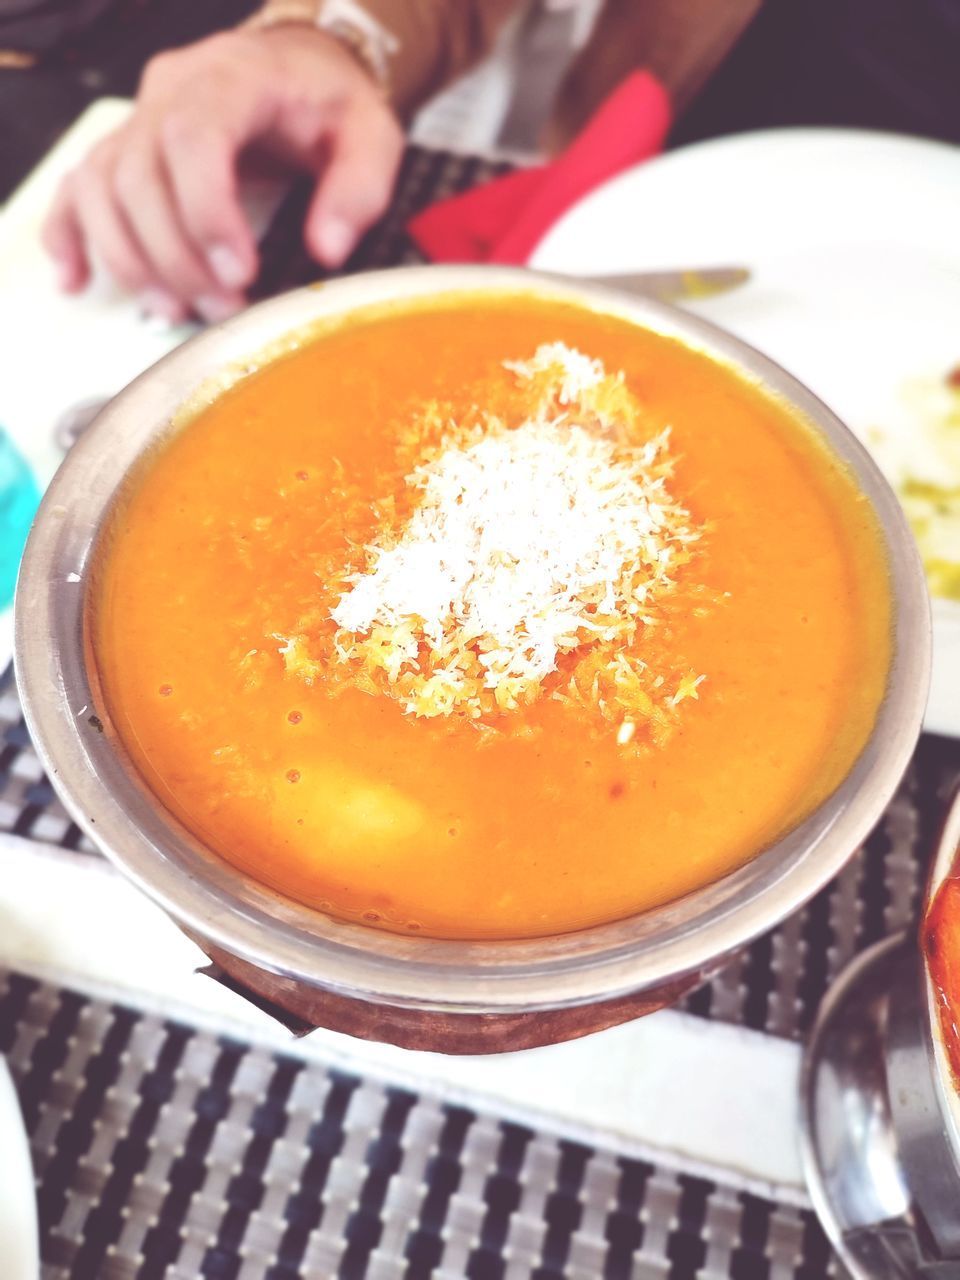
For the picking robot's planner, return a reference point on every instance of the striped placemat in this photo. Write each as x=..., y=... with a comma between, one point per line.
x=165, y=1151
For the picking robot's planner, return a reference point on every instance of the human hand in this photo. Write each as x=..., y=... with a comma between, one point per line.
x=157, y=202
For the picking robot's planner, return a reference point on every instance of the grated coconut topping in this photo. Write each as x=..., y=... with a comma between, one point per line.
x=532, y=561
x=518, y=546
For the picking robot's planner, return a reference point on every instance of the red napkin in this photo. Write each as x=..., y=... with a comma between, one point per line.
x=504, y=220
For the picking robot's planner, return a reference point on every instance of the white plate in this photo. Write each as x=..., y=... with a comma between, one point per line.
x=18, y=1210
x=852, y=240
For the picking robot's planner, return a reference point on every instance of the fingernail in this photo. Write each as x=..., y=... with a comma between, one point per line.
x=336, y=239
x=157, y=302
x=227, y=266
x=214, y=308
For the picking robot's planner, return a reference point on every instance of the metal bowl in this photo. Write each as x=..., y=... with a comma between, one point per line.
x=459, y=996
x=880, y=1109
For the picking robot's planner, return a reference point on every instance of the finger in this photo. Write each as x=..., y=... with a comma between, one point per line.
x=147, y=198
x=109, y=238
x=356, y=185
x=201, y=164
x=62, y=237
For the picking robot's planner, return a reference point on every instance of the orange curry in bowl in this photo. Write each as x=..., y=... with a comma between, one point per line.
x=492, y=616
x=941, y=947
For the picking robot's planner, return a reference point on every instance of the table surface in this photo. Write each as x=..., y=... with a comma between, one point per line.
x=173, y=1138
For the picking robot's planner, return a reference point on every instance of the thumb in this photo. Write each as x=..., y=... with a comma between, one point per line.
x=355, y=186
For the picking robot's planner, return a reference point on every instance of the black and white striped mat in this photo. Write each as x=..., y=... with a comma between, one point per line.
x=163, y=1152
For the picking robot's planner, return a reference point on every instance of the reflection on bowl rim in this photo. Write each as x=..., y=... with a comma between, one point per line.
x=65, y=713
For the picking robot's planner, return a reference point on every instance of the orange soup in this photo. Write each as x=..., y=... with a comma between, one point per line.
x=492, y=617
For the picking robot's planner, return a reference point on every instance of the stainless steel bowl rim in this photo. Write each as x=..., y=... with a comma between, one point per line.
x=208, y=897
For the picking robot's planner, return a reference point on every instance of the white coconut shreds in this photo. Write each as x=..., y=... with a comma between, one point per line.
x=573, y=374
x=531, y=564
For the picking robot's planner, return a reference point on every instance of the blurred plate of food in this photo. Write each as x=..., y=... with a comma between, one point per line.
x=850, y=237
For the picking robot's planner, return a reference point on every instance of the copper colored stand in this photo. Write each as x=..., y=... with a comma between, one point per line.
x=303, y=1008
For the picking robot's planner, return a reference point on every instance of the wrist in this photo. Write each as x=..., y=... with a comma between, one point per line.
x=342, y=22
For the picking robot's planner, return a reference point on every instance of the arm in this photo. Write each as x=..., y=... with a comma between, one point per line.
x=414, y=47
